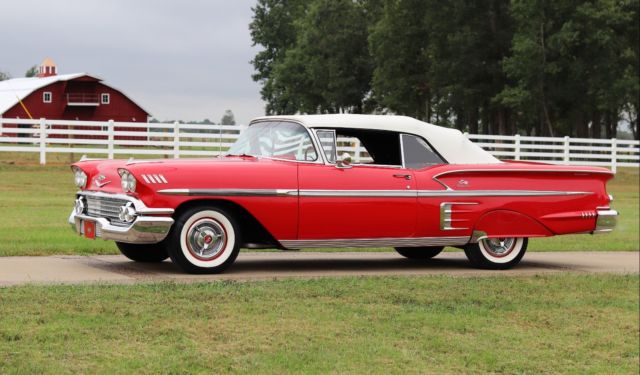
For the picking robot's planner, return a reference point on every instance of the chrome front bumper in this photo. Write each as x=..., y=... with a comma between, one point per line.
x=606, y=221
x=145, y=228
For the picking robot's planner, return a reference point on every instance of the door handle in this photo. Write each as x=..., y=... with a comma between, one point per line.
x=405, y=176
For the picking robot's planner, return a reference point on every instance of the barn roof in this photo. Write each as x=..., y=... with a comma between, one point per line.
x=16, y=89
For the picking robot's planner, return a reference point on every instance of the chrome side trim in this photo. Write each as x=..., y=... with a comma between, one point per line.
x=378, y=242
x=359, y=193
x=446, y=213
x=368, y=193
x=606, y=221
x=232, y=192
x=506, y=170
x=485, y=170
x=498, y=193
x=140, y=207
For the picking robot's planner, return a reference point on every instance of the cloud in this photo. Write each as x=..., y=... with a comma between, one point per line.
x=180, y=59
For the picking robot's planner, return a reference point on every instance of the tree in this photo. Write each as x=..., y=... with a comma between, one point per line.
x=399, y=44
x=228, y=118
x=564, y=67
x=273, y=28
x=31, y=72
x=316, y=58
x=4, y=76
x=573, y=65
x=329, y=69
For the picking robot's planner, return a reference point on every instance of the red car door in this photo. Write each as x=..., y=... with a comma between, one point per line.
x=360, y=202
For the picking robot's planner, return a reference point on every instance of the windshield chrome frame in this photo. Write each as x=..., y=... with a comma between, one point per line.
x=314, y=142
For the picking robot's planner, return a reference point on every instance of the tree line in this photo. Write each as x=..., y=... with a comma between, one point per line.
x=536, y=67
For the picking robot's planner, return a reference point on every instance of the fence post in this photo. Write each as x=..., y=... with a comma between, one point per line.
x=614, y=155
x=566, y=149
x=176, y=140
x=43, y=144
x=110, y=139
x=517, y=146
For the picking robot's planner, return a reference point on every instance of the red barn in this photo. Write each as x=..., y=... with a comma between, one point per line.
x=77, y=96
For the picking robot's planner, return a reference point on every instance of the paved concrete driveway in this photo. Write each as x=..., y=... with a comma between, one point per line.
x=275, y=265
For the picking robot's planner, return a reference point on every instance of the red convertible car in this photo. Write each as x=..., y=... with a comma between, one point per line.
x=283, y=184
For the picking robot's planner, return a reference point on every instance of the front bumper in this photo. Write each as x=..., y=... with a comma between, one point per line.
x=606, y=221
x=146, y=228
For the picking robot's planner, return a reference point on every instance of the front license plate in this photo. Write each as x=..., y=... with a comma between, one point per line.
x=89, y=229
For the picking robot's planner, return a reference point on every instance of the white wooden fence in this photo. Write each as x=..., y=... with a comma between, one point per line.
x=118, y=139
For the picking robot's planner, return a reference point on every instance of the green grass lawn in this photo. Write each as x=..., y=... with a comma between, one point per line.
x=35, y=202
x=574, y=324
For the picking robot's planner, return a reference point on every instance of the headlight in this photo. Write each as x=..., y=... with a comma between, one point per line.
x=80, y=177
x=127, y=181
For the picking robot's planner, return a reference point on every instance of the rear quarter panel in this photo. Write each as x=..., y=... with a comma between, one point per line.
x=508, y=199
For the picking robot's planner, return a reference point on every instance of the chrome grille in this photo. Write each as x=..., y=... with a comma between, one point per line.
x=104, y=207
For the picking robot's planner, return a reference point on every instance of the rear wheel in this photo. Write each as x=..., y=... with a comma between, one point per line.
x=144, y=253
x=419, y=252
x=496, y=253
x=204, y=240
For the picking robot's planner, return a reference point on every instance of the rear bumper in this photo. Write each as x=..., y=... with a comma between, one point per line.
x=606, y=221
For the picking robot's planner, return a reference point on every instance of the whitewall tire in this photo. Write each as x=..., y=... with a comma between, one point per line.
x=496, y=253
x=204, y=240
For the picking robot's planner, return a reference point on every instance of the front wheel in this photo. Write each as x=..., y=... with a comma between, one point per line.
x=496, y=253
x=204, y=240
x=419, y=252
x=144, y=253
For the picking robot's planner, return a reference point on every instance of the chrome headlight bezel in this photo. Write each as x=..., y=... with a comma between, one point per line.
x=80, y=177
x=127, y=181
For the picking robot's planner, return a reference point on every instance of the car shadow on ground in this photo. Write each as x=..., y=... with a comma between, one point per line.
x=264, y=266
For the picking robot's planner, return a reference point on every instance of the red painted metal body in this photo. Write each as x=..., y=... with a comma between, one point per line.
x=321, y=201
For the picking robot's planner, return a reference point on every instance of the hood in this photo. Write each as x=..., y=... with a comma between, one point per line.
x=226, y=172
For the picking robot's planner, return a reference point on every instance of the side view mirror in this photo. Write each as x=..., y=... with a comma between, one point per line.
x=344, y=161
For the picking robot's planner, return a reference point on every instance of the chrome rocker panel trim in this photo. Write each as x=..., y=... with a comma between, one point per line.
x=606, y=221
x=377, y=242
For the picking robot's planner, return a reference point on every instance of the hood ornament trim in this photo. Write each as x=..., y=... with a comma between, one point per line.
x=100, y=181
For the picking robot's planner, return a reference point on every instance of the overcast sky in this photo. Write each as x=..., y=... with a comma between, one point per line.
x=187, y=59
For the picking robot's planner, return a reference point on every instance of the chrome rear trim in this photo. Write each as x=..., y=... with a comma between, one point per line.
x=606, y=221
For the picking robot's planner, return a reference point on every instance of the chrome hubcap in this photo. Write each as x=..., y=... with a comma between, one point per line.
x=206, y=238
x=499, y=246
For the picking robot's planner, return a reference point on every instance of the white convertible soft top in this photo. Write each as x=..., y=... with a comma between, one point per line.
x=450, y=143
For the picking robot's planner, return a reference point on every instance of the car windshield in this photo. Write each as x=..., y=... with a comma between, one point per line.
x=282, y=140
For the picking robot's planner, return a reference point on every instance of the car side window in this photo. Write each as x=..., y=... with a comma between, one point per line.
x=327, y=140
x=417, y=153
